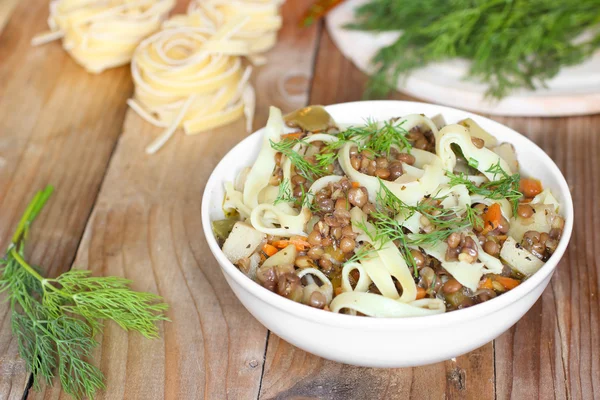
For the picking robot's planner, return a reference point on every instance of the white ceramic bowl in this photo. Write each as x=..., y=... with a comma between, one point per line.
x=389, y=342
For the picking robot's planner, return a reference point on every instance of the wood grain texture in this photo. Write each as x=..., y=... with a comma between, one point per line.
x=6, y=9
x=292, y=373
x=146, y=226
x=39, y=145
x=59, y=125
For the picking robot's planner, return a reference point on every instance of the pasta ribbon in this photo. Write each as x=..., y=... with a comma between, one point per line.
x=259, y=33
x=103, y=34
x=375, y=305
x=387, y=264
x=482, y=159
x=289, y=224
x=191, y=78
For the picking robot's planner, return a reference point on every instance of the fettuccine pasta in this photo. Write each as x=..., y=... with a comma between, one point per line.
x=191, y=78
x=102, y=34
x=260, y=32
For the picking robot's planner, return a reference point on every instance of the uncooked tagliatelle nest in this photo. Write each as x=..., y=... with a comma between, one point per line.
x=102, y=34
x=259, y=32
x=192, y=77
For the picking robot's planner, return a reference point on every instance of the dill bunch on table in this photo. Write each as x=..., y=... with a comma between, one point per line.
x=55, y=319
x=510, y=43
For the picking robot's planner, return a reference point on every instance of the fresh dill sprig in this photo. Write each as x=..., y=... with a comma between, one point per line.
x=303, y=166
x=285, y=195
x=511, y=44
x=371, y=136
x=444, y=222
x=55, y=320
x=505, y=187
x=378, y=139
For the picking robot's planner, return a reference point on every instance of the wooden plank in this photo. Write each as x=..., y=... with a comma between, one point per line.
x=6, y=9
x=39, y=145
x=146, y=226
x=554, y=351
x=292, y=373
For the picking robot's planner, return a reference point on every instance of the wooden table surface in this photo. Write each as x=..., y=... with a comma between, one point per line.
x=118, y=211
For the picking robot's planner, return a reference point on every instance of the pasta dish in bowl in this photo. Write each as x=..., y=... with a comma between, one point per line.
x=332, y=215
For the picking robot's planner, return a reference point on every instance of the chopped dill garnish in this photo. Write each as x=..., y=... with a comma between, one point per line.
x=389, y=228
x=285, y=195
x=302, y=165
x=507, y=187
x=378, y=139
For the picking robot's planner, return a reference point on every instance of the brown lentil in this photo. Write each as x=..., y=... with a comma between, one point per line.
x=314, y=238
x=317, y=300
x=406, y=158
x=492, y=248
x=418, y=257
x=478, y=142
x=342, y=203
x=355, y=162
x=315, y=253
x=381, y=162
x=395, y=170
x=453, y=240
x=347, y=244
x=451, y=286
x=325, y=205
x=347, y=231
x=336, y=232
x=325, y=263
x=358, y=196
x=382, y=173
x=369, y=208
x=524, y=211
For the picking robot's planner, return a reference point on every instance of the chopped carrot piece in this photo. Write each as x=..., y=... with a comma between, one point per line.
x=338, y=291
x=508, y=283
x=530, y=187
x=421, y=293
x=293, y=135
x=269, y=249
x=355, y=185
x=297, y=241
x=491, y=218
x=486, y=284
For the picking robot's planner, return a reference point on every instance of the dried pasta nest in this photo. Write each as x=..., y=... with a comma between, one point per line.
x=103, y=34
x=192, y=78
x=263, y=20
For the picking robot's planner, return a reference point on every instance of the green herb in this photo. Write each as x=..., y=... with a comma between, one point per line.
x=473, y=163
x=55, y=320
x=285, y=195
x=444, y=222
x=507, y=187
x=377, y=139
x=511, y=44
x=302, y=165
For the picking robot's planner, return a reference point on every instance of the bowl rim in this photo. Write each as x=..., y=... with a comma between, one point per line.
x=330, y=318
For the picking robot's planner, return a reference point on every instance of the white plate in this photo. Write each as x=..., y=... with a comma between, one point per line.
x=388, y=342
x=574, y=91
